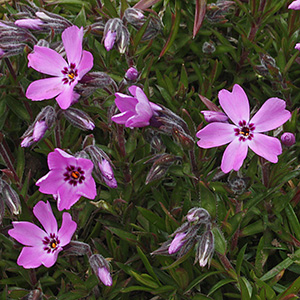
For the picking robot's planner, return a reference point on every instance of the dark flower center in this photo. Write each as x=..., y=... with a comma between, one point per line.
x=244, y=131
x=74, y=175
x=51, y=243
x=70, y=74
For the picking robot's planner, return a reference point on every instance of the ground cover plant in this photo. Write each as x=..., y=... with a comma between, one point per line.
x=149, y=149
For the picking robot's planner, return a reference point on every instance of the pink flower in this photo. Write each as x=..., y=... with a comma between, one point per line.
x=43, y=245
x=244, y=133
x=295, y=5
x=69, y=179
x=136, y=111
x=66, y=74
x=34, y=24
x=109, y=40
x=104, y=276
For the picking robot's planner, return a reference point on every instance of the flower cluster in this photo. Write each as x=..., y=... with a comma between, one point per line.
x=187, y=236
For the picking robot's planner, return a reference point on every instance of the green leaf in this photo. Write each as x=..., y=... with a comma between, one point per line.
x=219, y=285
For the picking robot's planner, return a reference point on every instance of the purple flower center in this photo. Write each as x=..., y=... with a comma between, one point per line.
x=51, y=243
x=74, y=175
x=244, y=131
x=70, y=74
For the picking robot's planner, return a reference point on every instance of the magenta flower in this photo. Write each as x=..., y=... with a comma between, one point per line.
x=66, y=74
x=295, y=5
x=43, y=245
x=104, y=276
x=69, y=179
x=34, y=24
x=136, y=111
x=244, y=132
x=38, y=132
x=132, y=74
x=109, y=40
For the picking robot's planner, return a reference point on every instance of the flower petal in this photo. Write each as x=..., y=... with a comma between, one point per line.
x=67, y=196
x=46, y=61
x=44, y=88
x=85, y=64
x=27, y=233
x=59, y=159
x=44, y=214
x=72, y=40
x=125, y=102
x=234, y=155
x=295, y=5
x=215, y=134
x=88, y=188
x=67, y=229
x=50, y=183
x=33, y=257
x=65, y=98
x=271, y=115
x=122, y=117
x=266, y=146
x=235, y=104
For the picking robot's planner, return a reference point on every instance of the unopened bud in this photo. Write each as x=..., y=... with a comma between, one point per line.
x=198, y=215
x=185, y=140
x=132, y=74
x=97, y=28
x=214, y=116
x=177, y=242
x=288, y=139
x=11, y=198
x=112, y=32
x=153, y=29
x=205, y=249
x=44, y=121
x=107, y=173
x=33, y=24
x=101, y=268
x=238, y=185
x=123, y=40
x=77, y=248
x=79, y=118
x=7, y=50
x=161, y=163
x=135, y=17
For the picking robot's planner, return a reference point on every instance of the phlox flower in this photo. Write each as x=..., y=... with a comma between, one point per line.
x=244, y=132
x=136, y=110
x=69, y=178
x=66, y=74
x=42, y=246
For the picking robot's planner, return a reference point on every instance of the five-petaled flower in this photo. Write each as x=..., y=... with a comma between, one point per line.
x=67, y=74
x=43, y=246
x=244, y=132
x=136, y=111
x=69, y=179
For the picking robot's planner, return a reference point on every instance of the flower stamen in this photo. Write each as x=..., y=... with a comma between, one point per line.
x=74, y=176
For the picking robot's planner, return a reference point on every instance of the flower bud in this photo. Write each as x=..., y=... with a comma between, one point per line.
x=205, y=249
x=107, y=173
x=11, y=198
x=11, y=49
x=112, y=32
x=135, y=17
x=288, y=139
x=198, y=215
x=33, y=24
x=102, y=165
x=177, y=242
x=153, y=29
x=77, y=248
x=214, y=116
x=132, y=74
x=79, y=118
x=238, y=185
x=101, y=268
x=123, y=40
x=44, y=121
